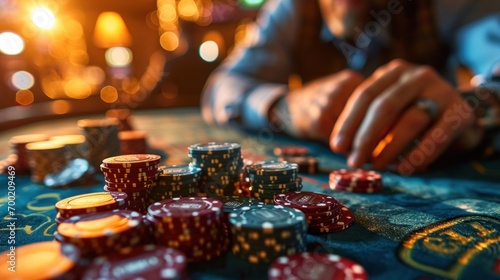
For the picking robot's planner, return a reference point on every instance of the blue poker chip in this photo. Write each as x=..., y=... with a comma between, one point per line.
x=273, y=168
x=178, y=172
x=267, y=217
x=71, y=173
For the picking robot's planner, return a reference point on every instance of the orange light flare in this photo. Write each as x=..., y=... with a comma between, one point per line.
x=382, y=144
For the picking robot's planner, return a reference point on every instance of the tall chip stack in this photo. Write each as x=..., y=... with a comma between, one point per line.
x=175, y=181
x=269, y=178
x=221, y=164
x=102, y=139
x=193, y=225
x=19, y=156
x=262, y=233
x=134, y=175
x=46, y=157
x=104, y=232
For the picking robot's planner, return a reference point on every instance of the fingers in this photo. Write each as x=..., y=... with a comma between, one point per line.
x=358, y=103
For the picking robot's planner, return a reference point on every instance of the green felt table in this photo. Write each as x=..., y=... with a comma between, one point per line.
x=441, y=224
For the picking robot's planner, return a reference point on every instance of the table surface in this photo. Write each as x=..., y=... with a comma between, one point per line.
x=442, y=224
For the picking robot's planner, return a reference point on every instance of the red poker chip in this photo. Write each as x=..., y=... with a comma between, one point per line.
x=131, y=161
x=137, y=175
x=122, y=170
x=344, y=222
x=292, y=151
x=358, y=175
x=305, y=266
x=307, y=202
x=372, y=188
x=149, y=179
x=129, y=186
x=189, y=209
x=148, y=261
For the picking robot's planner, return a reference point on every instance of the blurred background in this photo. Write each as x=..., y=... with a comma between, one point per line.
x=66, y=57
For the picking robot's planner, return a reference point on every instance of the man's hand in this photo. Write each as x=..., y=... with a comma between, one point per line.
x=380, y=121
x=311, y=111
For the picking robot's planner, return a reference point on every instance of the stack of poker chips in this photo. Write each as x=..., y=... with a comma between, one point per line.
x=104, y=232
x=323, y=212
x=269, y=178
x=102, y=139
x=358, y=181
x=262, y=233
x=298, y=155
x=175, y=181
x=306, y=266
x=89, y=203
x=19, y=158
x=140, y=262
x=43, y=260
x=46, y=157
x=133, y=142
x=77, y=172
x=75, y=143
x=123, y=116
x=231, y=205
x=221, y=164
x=133, y=174
x=193, y=225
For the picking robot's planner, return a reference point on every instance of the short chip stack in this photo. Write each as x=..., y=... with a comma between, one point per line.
x=104, y=232
x=306, y=266
x=140, y=262
x=46, y=157
x=358, y=181
x=89, y=203
x=133, y=142
x=299, y=155
x=19, y=157
x=220, y=164
x=324, y=213
x=262, y=233
x=175, y=181
x=269, y=178
x=133, y=174
x=193, y=225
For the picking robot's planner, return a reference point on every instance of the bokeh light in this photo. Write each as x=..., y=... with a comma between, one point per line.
x=25, y=97
x=209, y=51
x=188, y=10
x=22, y=80
x=169, y=41
x=11, y=43
x=118, y=56
x=77, y=88
x=109, y=94
x=43, y=18
x=60, y=107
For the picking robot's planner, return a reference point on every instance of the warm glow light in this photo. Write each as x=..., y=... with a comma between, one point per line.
x=77, y=88
x=111, y=31
x=381, y=145
x=43, y=18
x=60, y=107
x=188, y=9
x=169, y=41
x=25, y=97
x=11, y=43
x=109, y=94
x=167, y=12
x=118, y=56
x=94, y=75
x=22, y=80
x=209, y=51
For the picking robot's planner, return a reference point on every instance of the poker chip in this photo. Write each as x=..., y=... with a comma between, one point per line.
x=103, y=232
x=309, y=202
x=101, y=139
x=132, y=161
x=344, y=221
x=122, y=170
x=193, y=225
x=360, y=181
x=75, y=143
x=42, y=260
x=291, y=151
x=272, y=168
x=315, y=266
x=140, y=262
x=220, y=165
x=306, y=164
x=90, y=203
x=75, y=171
x=133, y=142
x=46, y=157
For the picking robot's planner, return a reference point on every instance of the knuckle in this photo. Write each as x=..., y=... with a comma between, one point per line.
x=398, y=63
x=351, y=75
x=384, y=105
x=425, y=72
